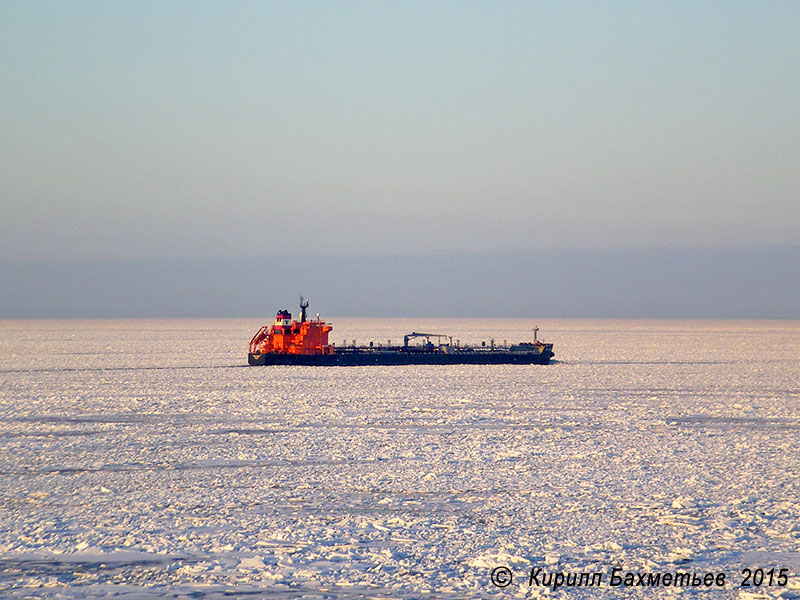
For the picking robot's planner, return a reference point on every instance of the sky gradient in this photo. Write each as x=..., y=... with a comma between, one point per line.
x=182, y=129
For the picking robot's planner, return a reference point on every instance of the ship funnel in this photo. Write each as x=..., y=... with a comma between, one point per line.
x=303, y=307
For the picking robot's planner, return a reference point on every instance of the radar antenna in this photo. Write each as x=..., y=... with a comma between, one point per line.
x=303, y=307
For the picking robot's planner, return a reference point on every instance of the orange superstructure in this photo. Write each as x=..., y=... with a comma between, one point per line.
x=286, y=336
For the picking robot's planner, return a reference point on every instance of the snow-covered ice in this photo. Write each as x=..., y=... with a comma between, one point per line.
x=141, y=458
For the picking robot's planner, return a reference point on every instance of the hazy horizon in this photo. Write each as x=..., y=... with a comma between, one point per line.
x=652, y=283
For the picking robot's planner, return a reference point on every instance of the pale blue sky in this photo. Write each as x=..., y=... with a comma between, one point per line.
x=187, y=129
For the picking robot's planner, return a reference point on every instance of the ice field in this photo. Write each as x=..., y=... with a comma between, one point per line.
x=143, y=459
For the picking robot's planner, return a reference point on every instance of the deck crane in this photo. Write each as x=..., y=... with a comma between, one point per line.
x=427, y=337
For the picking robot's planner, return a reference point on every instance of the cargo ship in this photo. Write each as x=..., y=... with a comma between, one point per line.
x=305, y=342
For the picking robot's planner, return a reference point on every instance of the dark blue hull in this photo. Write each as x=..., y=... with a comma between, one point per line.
x=361, y=357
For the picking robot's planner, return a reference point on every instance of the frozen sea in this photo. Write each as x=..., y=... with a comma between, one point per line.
x=142, y=459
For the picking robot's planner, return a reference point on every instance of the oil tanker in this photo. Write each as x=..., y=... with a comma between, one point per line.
x=305, y=342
